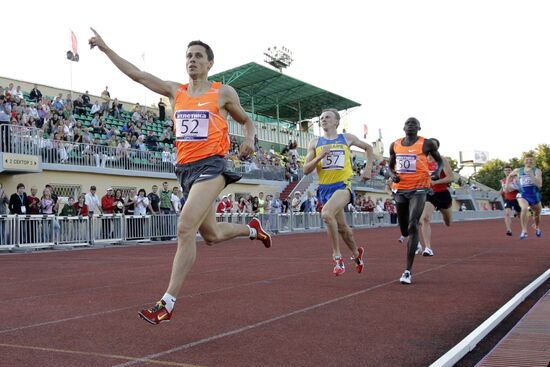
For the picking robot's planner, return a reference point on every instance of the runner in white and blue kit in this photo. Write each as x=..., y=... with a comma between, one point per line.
x=530, y=183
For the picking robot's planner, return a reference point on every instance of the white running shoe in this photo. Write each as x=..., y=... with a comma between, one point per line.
x=428, y=252
x=406, y=278
x=418, y=249
x=402, y=239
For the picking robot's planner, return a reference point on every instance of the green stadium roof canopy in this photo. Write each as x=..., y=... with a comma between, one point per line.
x=262, y=89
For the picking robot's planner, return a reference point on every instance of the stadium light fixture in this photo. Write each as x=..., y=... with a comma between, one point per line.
x=279, y=57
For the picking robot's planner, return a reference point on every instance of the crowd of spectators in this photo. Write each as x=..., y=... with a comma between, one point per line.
x=113, y=201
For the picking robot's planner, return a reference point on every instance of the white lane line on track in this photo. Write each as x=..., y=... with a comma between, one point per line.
x=287, y=315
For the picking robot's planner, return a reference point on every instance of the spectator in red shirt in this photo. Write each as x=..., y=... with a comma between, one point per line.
x=33, y=201
x=81, y=207
x=222, y=206
x=108, y=202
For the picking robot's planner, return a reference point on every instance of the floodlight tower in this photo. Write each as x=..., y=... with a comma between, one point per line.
x=278, y=57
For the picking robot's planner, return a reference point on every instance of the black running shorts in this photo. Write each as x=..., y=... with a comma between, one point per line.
x=512, y=204
x=404, y=196
x=202, y=170
x=440, y=200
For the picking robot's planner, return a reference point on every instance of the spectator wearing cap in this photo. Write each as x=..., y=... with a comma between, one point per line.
x=296, y=201
x=92, y=201
x=108, y=202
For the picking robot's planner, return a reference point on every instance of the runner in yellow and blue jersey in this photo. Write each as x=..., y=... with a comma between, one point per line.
x=330, y=156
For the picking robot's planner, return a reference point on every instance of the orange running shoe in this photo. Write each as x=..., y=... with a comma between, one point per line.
x=359, y=260
x=339, y=267
x=156, y=314
x=261, y=235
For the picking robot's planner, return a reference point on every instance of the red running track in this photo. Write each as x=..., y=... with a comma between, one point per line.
x=244, y=305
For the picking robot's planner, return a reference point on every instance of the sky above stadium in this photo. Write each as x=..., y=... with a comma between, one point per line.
x=475, y=73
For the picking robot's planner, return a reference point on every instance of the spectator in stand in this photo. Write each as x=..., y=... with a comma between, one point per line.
x=175, y=199
x=287, y=204
x=33, y=202
x=54, y=197
x=79, y=107
x=167, y=158
x=249, y=204
x=86, y=100
x=154, y=200
x=68, y=209
x=81, y=209
x=222, y=205
x=35, y=94
x=87, y=136
x=130, y=202
x=113, y=132
x=276, y=204
x=389, y=207
x=119, y=202
x=151, y=141
x=96, y=108
x=296, y=201
x=230, y=203
x=167, y=136
x=5, y=117
x=241, y=206
x=368, y=205
x=108, y=202
x=136, y=116
x=18, y=95
x=3, y=211
x=261, y=203
x=142, y=202
x=165, y=199
x=105, y=94
x=255, y=205
x=162, y=110
x=47, y=203
x=92, y=201
x=57, y=104
x=115, y=109
x=310, y=203
x=95, y=120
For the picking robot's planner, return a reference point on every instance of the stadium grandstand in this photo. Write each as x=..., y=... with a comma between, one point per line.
x=72, y=141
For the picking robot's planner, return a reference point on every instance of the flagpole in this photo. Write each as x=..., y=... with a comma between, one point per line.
x=144, y=89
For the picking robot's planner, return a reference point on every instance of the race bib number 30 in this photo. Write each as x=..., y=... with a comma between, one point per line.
x=405, y=163
x=334, y=160
x=192, y=125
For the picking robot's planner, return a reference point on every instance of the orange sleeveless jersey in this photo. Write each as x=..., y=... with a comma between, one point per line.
x=200, y=130
x=411, y=165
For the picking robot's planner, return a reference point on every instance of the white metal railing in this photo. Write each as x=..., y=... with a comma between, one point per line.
x=49, y=231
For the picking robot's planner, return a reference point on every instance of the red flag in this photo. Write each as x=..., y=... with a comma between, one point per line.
x=365, y=131
x=74, y=43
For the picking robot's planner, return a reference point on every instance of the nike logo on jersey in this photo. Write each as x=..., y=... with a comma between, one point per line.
x=412, y=150
x=200, y=104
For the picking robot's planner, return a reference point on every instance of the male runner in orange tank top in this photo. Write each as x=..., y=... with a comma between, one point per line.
x=411, y=176
x=202, y=141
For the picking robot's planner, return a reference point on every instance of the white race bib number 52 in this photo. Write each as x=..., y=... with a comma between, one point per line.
x=192, y=125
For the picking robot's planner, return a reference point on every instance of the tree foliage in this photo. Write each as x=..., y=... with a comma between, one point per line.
x=492, y=172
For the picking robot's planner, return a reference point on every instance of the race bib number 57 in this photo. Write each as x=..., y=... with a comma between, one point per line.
x=405, y=163
x=334, y=160
x=192, y=125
